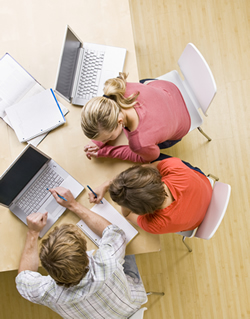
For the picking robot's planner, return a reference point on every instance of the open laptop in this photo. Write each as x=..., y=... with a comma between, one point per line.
x=23, y=186
x=84, y=68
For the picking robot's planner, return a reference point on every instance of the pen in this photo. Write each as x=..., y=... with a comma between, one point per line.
x=60, y=196
x=93, y=192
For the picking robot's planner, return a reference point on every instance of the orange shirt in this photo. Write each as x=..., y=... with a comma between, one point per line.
x=192, y=193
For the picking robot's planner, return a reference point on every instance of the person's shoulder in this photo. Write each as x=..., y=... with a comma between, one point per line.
x=112, y=230
x=29, y=273
x=34, y=282
x=133, y=86
x=171, y=161
x=33, y=276
x=172, y=165
x=161, y=84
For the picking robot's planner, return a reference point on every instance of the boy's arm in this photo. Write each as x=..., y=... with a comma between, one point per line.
x=94, y=221
x=30, y=259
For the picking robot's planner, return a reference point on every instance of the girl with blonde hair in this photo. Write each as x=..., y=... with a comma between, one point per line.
x=152, y=116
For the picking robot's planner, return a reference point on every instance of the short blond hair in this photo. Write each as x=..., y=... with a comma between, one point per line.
x=101, y=113
x=63, y=255
x=140, y=189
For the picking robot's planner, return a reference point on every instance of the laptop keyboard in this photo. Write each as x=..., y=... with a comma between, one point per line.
x=37, y=194
x=90, y=74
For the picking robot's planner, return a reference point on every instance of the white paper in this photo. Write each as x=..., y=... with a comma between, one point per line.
x=35, y=115
x=15, y=82
x=107, y=211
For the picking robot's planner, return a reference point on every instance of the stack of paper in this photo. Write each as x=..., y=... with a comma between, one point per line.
x=107, y=211
x=35, y=115
x=17, y=85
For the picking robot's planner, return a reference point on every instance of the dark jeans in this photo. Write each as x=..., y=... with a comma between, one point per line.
x=130, y=268
x=164, y=156
x=144, y=80
x=168, y=144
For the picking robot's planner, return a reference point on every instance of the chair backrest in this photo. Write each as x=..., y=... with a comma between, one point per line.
x=216, y=211
x=139, y=314
x=198, y=76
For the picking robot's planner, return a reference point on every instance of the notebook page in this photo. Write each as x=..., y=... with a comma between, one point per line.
x=15, y=82
x=107, y=211
x=37, y=88
x=35, y=115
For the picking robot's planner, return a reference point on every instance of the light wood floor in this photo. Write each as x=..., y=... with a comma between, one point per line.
x=213, y=281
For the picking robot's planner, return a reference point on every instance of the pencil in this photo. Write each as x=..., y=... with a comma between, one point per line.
x=62, y=197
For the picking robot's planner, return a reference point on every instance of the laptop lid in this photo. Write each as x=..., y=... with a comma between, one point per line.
x=19, y=174
x=70, y=81
x=67, y=64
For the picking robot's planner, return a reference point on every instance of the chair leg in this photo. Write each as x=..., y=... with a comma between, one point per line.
x=213, y=176
x=202, y=132
x=155, y=293
x=183, y=240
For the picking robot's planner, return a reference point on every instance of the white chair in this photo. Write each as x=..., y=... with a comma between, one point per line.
x=214, y=215
x=198, y=87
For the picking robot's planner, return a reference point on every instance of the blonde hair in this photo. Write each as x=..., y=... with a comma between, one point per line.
x=140, y=189
x=101, y=113
x=63, y=255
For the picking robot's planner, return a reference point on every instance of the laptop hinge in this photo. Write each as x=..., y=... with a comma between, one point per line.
x=77, y=72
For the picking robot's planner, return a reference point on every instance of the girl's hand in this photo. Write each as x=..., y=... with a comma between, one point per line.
x=91, y=150
x=100, y=192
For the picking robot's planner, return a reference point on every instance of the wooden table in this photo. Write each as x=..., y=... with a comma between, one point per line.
x=36, y=42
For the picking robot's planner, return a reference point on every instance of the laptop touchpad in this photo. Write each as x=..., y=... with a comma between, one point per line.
x=52, y=206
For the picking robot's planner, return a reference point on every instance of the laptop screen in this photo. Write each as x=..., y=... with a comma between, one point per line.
x=18, y=176
x=68, y=64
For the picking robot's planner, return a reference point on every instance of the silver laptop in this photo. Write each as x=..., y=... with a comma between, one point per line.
x=24, y=186
x=84, y=68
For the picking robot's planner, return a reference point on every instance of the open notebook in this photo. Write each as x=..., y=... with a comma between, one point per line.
x=35, y=115
x=107, y=211
x=16, y=85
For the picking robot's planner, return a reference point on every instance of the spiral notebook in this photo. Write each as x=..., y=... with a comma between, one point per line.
x=107, y=211
x=36, y=115
x=16, y=85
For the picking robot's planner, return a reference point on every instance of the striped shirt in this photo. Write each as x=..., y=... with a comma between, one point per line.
x=104, y=293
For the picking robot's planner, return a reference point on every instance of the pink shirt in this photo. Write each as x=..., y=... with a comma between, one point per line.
x=163, y=116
